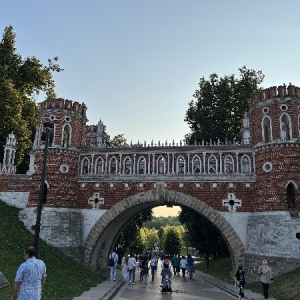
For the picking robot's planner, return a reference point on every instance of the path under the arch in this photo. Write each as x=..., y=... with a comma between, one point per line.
x=103, y=235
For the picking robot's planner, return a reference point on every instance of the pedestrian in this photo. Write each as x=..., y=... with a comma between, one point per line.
x=145, y=272
x=131, y=269
x=124, y=265
x=153, y=266
x=265, y=277
x=190, y=265
x=183, y=264
x=240, y=281
x=113, y=263
x=30, y=278
x=175, y=264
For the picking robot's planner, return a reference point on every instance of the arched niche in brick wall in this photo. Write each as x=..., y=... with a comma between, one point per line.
x=105, y=232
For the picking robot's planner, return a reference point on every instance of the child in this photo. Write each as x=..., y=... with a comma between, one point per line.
x=240, y=281
x=145, y=272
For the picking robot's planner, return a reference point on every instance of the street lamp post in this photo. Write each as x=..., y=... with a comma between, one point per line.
x=46, y=136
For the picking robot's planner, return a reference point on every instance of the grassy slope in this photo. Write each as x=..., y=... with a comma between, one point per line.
x=66, y=279
x=284, y=287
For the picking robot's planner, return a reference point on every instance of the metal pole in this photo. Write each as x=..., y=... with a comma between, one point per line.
x=40, y=203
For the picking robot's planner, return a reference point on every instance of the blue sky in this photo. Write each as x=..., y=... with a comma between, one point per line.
x=136, y=64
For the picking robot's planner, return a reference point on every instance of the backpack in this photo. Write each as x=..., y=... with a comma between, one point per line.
x=111, y=261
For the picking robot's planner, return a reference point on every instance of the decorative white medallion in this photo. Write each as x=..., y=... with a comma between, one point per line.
x=214, y=185
x=267, y=167
x=126, y=185
x=181, y=185
x=141, y=185
x=111, y=185
x=83, y=185
x=64, y=169
x=230, y=185
x=232, y=202
x=247, y=185
x=97, y=185
x=197, y=185
x=96, y=200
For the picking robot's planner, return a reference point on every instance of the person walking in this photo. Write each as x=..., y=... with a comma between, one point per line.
x=183, y=264
x=175, y=264
x=240, y=282
x=190, y=266
x=131, y=268
x=124, y=265
x=113, y=263
x=145, y=272
x=30, y=278
x=265, y=277
x=153, y=266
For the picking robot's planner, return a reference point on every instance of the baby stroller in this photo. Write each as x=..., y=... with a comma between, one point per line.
x=166, y=285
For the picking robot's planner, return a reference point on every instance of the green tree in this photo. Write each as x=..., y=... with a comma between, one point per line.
x=21, y=79
x=130, y=233
x=220, y=103
x=158, y=222
x=117, y=141
x=171, y=240
x=203, y=235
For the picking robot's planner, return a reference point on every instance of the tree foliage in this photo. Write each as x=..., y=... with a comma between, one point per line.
x=220, y=103
x=158, y=222
x=171, y=239
x=202, y=234
x=21, y=79
x=130, y=235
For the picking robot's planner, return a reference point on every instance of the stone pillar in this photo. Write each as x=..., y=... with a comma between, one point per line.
x=221, y=163
x=204, y=163
x=188, y=168
x=134, y=163
x=106, y=170
x=237, y=163
x=149, y=157
x=173, y=161
x=120, y=163
x=153, y=163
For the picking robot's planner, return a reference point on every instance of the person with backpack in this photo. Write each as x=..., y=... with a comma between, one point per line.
x=113, y=262
x=153, y=266
x=175, y=264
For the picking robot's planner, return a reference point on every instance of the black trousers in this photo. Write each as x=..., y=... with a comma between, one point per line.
x=265, y=290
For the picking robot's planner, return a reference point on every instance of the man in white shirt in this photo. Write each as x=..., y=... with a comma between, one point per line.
x=131, y=268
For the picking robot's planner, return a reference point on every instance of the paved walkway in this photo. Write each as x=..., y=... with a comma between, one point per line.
x=213, y=289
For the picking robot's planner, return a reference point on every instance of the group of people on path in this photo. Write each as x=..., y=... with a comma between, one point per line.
x=149, y=262
x=173, y=266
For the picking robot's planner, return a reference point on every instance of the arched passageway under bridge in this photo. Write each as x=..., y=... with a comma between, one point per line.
x=105, y=232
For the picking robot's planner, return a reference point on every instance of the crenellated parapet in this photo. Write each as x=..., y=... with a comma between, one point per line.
x=281, y=91
x=63, y=104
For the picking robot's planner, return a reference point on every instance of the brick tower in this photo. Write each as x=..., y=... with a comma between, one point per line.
x=274, y=122
x=69, y=119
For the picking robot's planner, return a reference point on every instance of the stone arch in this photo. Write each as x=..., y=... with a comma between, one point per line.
x=285, y=127
x=141, y=165
x=105, y=232
x=266, y=129
x=99, y=166
x=127, y=165
x=161, y=165
x=66, y=135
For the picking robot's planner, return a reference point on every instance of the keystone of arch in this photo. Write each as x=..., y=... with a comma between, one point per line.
x=105, y=232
